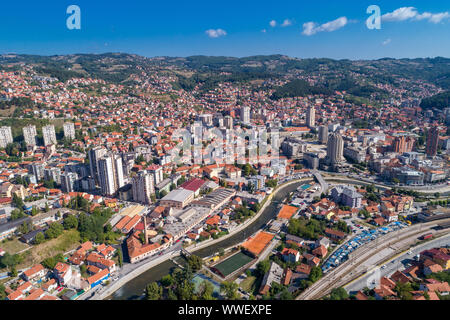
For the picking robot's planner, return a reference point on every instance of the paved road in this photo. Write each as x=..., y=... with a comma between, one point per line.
x=371, y=278
x=443, y=189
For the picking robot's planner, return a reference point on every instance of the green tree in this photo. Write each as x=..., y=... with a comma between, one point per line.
x=51, y=262
x=25, y=227
x=229, y=289
x=206, y=290
x=54, y=231
x=40, y=238
x=271, y=183
x=14, y=272
x=263, y=267
x=195, y=262
x=83, y=270
x=2, y=292
x=285, y=294
x=185, y=290
x=10, y=261
x=120, y=257
x=403, y=290
x=339, y=294
x=70, y=222
x=315, y=274
x=17, y=214
x=171, y=295
x=167, y=280
x=17, y=202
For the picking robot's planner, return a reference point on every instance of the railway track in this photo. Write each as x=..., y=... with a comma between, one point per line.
x=344, y=274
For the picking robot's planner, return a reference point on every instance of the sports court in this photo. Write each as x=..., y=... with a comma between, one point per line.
x=231, y=264
x=287, y=212
x=258, y=243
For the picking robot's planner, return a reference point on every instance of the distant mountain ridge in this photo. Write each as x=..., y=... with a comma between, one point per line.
x=360, y=77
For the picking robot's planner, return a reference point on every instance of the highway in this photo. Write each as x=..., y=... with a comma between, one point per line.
x=367, y=257
x=372, y=277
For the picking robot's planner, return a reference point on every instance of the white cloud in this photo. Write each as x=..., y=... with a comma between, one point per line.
x=263, y=30
x=400, y=14
x=310, y=28
x=286, y=23
x=438, y=17
x=411, y=13
x=215, y=33
x=273, y=23
x=386, y=42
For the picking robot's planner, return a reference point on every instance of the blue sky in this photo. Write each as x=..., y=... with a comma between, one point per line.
x=334, y=29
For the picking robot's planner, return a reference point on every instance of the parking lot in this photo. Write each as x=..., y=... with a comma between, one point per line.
x=365, y=237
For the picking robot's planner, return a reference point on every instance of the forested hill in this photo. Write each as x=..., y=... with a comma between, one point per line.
x=362, y=78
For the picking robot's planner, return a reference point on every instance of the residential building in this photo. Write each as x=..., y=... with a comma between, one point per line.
x=49, y=135
x=432, y=141
x=143, y=187
x=323, y=134
x=110, y=174
x=335, y=148
x=69, y=130
x=245, y=114
x=68, y=181
x=311, y=117
x=29, y=135
x=5, y=136
x=95, y=154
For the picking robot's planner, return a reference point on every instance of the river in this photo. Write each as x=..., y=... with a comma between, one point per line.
x=134, y=289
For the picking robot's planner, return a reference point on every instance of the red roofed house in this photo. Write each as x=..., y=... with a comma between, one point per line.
x=63, y=272
x=35, y=273
x=290, y=255
x=320, y=251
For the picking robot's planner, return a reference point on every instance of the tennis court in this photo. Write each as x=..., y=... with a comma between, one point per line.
x=231, y=264
x=198, y=280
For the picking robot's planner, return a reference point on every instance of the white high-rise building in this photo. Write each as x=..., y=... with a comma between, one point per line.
x=323, y=134
x=197, y=132
x=68, y=180
x=311, y=117
x=157, y=172
x=228, y=122
x=29, y=135
x=94, y=155
x=142, y=187
x=37, y=168
x=5, y=136
x=206, y=119
x=48, y=132
x=110, y=174
x=245, y=115
x=69, y=130
x=53, y=173
x=335, y=148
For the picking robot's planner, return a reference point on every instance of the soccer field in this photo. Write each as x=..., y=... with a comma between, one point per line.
x=233, y=263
